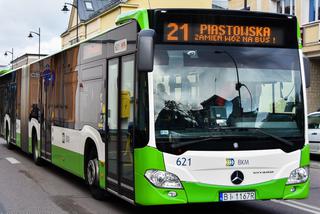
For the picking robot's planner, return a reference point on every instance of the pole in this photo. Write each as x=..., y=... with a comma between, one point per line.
x=39, y=43
x=12, y=59
x=77, y=20
x=245, y=4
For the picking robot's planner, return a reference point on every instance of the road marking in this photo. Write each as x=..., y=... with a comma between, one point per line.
x=296, y=206
x=12, y=160
x=314, y=164
x=305, y=205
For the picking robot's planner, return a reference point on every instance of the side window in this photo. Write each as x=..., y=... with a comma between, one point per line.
x=142, y=131
x=113, y=68
x=314, y=121
x=127, y=115
x=127, y=91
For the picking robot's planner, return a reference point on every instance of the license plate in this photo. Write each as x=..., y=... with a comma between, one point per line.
x=237, y=196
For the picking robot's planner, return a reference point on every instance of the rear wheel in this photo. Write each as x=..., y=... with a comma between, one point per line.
x=9, y=145
x=92, y=175
x=35, y=151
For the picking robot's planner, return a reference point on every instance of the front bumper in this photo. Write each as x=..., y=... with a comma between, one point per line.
x=147, y=194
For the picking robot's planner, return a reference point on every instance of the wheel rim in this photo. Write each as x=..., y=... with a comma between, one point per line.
x=91, y=172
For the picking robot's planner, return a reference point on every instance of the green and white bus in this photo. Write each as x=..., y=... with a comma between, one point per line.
x=172, y=106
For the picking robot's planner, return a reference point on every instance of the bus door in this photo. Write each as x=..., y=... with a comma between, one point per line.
x=120, y=102
x=46, y=88
x=12, y=111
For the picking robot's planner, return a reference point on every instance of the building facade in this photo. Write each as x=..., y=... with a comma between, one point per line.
x=308, y=15
x=96, y=16
x=26, y=59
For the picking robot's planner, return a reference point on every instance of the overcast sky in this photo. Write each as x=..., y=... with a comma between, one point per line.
x=19, y=17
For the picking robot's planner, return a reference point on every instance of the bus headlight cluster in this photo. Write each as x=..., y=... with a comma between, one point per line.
x=163, y=179
x=298, y=176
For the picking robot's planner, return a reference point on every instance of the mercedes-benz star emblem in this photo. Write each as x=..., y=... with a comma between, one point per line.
x=237, y=177
x=235, y=145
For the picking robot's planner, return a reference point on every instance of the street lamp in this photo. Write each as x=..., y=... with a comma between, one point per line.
x=38, y=34
x=65, y=9
x=10, y=52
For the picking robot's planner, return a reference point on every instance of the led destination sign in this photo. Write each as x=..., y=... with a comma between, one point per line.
x=220, y=33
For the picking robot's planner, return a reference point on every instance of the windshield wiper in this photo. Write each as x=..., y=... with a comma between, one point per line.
x=280, y=139
x=188, y=143
x=220, y=137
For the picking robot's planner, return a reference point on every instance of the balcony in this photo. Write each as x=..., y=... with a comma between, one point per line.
x=311, y=39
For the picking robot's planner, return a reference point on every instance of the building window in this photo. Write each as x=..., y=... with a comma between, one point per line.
x=286, y=6
x=314, y=10
x=220, y=4
x=89, y=5
x=279, y=7
x=73, y=41
x=318, y=8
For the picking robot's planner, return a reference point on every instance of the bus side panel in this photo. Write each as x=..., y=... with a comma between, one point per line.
x=18, y=106
x=67, y=150
x=3, y=103
x=2, y=113
x=24, y=108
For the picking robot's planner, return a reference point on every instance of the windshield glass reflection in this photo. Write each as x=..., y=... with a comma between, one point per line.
x=200, y=89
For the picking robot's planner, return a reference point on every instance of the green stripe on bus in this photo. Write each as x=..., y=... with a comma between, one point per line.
x=144, y=159
x=299, y=36
x=30, y=145
x=275, y=189
x=204, y=193
x=141, y=16
x=102, y=173
x=18, y=139
x=305, y=156
x=301, y=191
x=68, y=160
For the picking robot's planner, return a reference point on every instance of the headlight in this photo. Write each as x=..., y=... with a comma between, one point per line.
x=163, y=179
x=298, y=176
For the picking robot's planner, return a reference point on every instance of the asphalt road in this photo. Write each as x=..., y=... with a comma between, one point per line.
x=27, y=188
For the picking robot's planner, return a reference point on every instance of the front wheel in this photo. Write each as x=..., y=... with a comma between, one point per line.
x=92, y=176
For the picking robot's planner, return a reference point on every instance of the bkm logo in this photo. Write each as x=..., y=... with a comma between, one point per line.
x=230, y=162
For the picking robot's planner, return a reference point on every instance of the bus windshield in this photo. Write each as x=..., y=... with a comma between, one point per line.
x=225, y=94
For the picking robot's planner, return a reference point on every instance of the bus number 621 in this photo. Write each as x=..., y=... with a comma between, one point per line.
x=183, y=162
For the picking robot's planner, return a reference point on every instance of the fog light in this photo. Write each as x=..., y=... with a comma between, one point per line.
x=172, y=194
x=293, y=189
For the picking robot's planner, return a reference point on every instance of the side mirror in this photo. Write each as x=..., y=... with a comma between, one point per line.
x=306, y=63
x=145, y=50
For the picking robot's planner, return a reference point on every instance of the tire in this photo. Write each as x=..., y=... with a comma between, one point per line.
x=92, y=176
x=9, y=145
x=35, y=153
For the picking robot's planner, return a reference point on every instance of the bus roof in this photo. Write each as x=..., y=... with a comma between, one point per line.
x=141, y=15
x=4, y=71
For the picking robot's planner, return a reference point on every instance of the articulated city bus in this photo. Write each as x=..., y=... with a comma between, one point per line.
x=171, y=107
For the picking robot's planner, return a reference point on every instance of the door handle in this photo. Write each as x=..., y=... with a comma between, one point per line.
x=314, y=133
